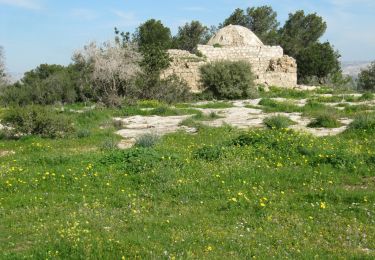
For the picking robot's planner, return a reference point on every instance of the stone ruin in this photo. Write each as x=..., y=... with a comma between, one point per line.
x=236, y=43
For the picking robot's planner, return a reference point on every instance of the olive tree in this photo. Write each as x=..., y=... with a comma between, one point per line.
x=114, y=68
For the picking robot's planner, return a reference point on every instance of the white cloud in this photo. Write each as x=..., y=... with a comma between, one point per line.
x=27, y=4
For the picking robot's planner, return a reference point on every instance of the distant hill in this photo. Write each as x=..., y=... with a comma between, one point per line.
x=353, y=68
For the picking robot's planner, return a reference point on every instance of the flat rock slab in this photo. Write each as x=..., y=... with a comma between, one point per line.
x=237, y=116
x=137, y=126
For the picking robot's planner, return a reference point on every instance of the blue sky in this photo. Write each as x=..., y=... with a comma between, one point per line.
x=48, y=31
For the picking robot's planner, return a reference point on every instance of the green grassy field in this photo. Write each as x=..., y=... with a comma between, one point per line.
x=221, y=193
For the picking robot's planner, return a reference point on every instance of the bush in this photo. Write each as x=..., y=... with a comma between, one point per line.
x=147, y=140
x=228, y=79
x=278, y=122
x=366, y=79
x=37, y=120
x=83, y=133
x=364, y=122
x=366, y=96
x=326, y=120
x=169, y=90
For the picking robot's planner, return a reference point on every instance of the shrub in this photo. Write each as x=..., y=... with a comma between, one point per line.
x=278, y=122
x=83, y=133
x=37, y=120
x=109, y=144
x=228, y=79
x=366, y=79
x=367, y=96
x=147, y=140
x=364, y=121
x=326, y=120
x=168, y=90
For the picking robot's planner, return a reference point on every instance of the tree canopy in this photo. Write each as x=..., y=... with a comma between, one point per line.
x=190, y=35
x=153, y=33
x=261, y=20
x=300, y=31
x=319, y=60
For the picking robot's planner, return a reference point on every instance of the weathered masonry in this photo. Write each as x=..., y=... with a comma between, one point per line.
x=236, y=43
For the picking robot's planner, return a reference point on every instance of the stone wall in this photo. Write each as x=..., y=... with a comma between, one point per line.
x=269, y=64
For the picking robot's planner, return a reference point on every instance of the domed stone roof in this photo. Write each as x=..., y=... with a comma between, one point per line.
x=235, y=35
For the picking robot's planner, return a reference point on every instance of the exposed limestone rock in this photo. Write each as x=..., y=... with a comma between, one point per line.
x=269, y=64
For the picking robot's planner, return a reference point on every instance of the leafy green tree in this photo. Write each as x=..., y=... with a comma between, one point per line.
x=300, y=31
x=42, y=72
x=190, y=35
x=263, y=22
x=153, y=33
x=366, y=79
x=318, y=60
x=238, y=17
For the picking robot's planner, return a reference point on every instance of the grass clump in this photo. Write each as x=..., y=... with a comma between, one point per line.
x=364, y=122
x=367, y=96
x=209, y=153
x=215, y=105
x=286, y=93
x=325, y=120
x=147, y=140
x=271, y=105
x=278, y=122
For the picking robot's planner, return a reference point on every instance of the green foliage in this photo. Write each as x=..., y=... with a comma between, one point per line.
x=132, y=161
x=238, y=17
x=364, y=122
x=47, y=84
x=215, y=105
x=279, y=106
x=169, y=90
x=286, y=93
x=278, y=122
x=155, y=59
x=189, y=36
x=209, y=153
x=147, y=140
x=367, y=96
x=228, y=80
x=261, y=20
x=300, y=31
x=80, y=199
x=153, y=33
x=37, y=120
x=366, y=79
x=318, y=59
x=326, y=120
